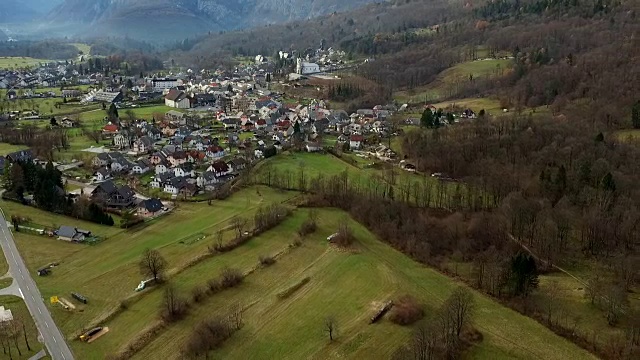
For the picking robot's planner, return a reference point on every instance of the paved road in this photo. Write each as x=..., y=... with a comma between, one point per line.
x=53, y=339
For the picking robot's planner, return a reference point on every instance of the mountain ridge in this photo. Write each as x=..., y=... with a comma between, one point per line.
x=178, y=19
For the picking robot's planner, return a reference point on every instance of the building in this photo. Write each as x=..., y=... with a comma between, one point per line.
x=164, y=84
x=149, y=207
x=304, y=68
x=108, y=97
x=112, y=196
x=68, y=233
x=177, y=99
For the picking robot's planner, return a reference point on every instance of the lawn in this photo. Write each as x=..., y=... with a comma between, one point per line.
x=107, y=272
x=20, y=313
x=145, y=112
x=447, y=82
x=347, y=285
x=20, y=62
x=8, y=148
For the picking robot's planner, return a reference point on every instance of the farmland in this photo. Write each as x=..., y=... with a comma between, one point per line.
x=447, y=81
x=19, y=62
x=347, y=285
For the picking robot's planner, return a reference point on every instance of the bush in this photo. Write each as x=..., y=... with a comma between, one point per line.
x=230, y=278
x=406, y=311
x=198, y=293
x=174, y=307
x=266, y=260
x=344, y=237
x=307, y=227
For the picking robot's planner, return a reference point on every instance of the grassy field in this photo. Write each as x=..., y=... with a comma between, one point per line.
x=8, y=148
x=20, y=62
x=629, y=135
x=347, y=285
x=19, y=311
x=446, y=83
x=145, y=112
x=107, y=272
x=86, y=49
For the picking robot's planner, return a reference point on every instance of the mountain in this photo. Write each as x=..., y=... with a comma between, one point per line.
x=13, y=11
x=3, y=36
x=170, y=20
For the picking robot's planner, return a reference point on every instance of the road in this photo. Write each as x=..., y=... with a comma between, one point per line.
x=53, y=338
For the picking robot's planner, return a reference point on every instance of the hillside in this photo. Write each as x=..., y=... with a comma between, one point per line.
x=176, y=20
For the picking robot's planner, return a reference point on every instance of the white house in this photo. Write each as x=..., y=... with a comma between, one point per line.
x=161, y=169
x=177, y=99
x=102, y=175
x=214, y=152
x=140, y=168
x=143, y=145
x=121, y=141
x=164, y=84
x=180, y=172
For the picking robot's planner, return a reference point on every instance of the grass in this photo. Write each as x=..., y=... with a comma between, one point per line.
x=347, y=285
x=145, y=112
x=20, y=62
x=8, y=148
x=629, y=135
x=491, y=106
x=108, y=272
x=19, y=311
x=446, y=82
x=85, y=48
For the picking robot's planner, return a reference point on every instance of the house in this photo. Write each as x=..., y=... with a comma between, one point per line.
x=67, y=123
x=261, y=124
x=150, y=207
x=177, y=186
x=139, y=168
x=214, y=152
x=20, y=156
x=355, y=142
x=161, y=179
x=101, y=159
x=237, y=164
x=68, y=233
x=180, y=171
x=177, y=158
x=230, y=123
x=207, y=178
x=143, y=145
x=121, y=141
x=177, y=99
x=161, y=169
x=312, y=146
x=110, y=129
x=112, y=196
x=119, y=164
x=219, y=168
x=102, y=174
x=304, y=68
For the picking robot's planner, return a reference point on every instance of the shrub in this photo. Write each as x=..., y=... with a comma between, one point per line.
x=198, y=293
x=267, y=260
x=344, y=237
x=307, y=227
x=174, y=307
x=406, y=311
x=230, y=278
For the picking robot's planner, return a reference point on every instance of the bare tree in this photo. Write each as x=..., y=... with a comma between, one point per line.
x=173, y=306
x=153, y=264
x=239, y=223
x=460, y=307
x=330, y=327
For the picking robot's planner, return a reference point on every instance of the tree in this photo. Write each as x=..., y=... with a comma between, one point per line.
x=635, y=115
x=112, y=113
x=53, y=122
x=173, y=306
x=459, y=306
x=523, y=274
x=153, y=264
x=330, y=327
x=427, y=118
x=238, y=224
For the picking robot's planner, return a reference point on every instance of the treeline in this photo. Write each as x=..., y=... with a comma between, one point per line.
x=46, y=185
x=42, y=143
x=49, y=49
x=507, y=8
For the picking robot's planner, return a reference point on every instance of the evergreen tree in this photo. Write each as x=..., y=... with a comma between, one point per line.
x=112, y=113
x=523, y=275
x=427, y=119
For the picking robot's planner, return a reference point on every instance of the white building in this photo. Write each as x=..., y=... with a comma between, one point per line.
x=164, y=84
x=304, y=68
